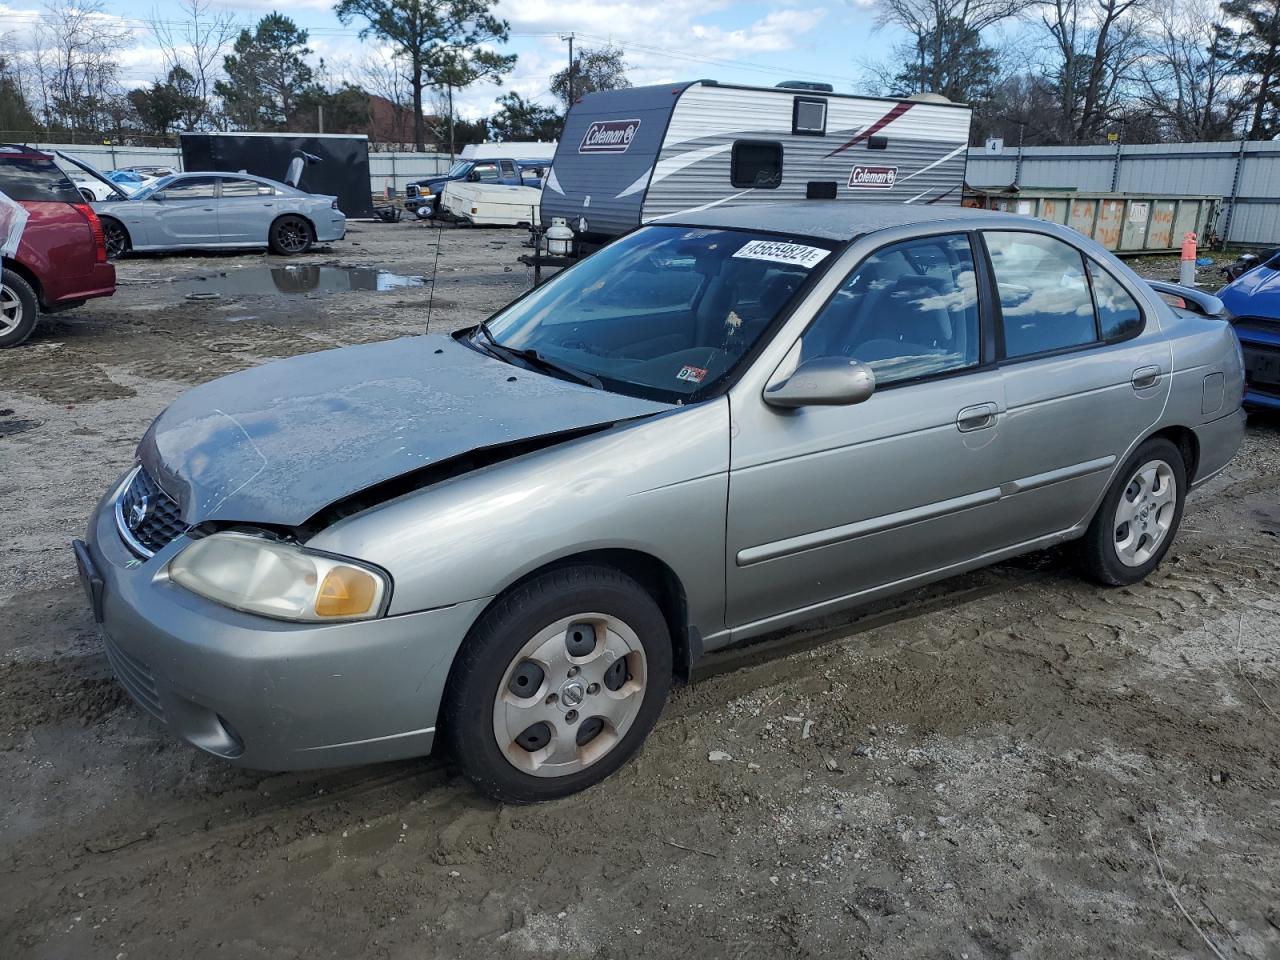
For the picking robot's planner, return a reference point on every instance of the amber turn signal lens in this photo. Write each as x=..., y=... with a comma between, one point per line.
x=346, y=592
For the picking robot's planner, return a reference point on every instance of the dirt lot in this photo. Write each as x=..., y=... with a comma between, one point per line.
x=985, y=769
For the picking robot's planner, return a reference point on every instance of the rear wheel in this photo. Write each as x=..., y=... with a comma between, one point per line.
x=558, y=684
x=18, y=308
x=291, y=235
x=1139, y=516
x=116, y=238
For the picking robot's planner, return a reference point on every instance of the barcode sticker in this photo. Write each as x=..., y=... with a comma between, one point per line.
x=796, y=254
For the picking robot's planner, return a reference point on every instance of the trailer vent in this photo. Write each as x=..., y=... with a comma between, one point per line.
x=809, y=116
x=877, y=143
x=820, y=190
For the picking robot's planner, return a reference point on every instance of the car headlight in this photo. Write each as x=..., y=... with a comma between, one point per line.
x=279, y=580
x=424, y=191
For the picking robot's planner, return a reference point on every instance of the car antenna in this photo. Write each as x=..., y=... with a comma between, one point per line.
x=435, y=268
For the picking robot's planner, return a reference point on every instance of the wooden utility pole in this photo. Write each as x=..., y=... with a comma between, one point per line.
x=570, y=39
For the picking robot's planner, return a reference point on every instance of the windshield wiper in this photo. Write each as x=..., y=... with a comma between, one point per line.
x=533, y=358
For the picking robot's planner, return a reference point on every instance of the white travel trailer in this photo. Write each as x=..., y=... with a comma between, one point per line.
x=511, y=150
x=628, y=156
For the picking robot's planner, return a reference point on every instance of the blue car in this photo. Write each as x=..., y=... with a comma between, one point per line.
x=1254, y=301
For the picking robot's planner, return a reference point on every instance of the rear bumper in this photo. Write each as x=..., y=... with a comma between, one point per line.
x=262, y=693
x=1218, y=441
x=335, y=228
x=100, y=282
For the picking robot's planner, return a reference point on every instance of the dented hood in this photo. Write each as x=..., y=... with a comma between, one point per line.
x=280, y=442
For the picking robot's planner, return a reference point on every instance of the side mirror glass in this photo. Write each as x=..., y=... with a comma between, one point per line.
x=823, y=382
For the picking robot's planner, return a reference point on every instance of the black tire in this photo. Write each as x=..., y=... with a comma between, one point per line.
x=291, y=235
x=18, y=309
x=116, y=238
x=493, y=644
x=1100, y=555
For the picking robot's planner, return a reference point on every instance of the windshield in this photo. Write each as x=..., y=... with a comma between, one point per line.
x=459, y=169
x=665, y=312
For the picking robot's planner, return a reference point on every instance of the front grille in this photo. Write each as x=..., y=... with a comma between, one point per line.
x=135, y=678
x=1262, y=367
x=148, y=517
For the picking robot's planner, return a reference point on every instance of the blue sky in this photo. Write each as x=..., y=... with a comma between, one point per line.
x=664, y=40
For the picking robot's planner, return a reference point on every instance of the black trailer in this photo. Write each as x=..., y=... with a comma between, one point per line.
x=334, y=164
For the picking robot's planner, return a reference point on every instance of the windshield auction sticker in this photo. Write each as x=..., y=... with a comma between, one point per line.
x=796, y=254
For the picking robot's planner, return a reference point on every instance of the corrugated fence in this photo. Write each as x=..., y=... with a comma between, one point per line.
x=1249, y=171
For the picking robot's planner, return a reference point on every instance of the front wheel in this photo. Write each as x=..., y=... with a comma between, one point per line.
x=558, y=684
x=1139, y=516
x=291, y=236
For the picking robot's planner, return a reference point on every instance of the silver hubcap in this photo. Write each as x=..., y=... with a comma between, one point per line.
x=1145, y=512
x=10, y=311
x=570, y=694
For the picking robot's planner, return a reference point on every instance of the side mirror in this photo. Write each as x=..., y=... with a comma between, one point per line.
x=473, y=177
x=825, y=382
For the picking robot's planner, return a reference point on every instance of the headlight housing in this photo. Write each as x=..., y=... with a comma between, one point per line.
x=280, y=580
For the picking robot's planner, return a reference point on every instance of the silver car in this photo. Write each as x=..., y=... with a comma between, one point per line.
x=510, y=540
x=214, y=211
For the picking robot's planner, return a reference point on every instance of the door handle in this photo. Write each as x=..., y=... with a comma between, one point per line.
x=1145, y=377
x=977, y=417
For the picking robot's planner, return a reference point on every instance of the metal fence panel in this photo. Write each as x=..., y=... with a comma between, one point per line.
x=1170, y=169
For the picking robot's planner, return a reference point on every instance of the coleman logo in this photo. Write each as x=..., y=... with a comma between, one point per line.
x=873, y=178
x=609, y=136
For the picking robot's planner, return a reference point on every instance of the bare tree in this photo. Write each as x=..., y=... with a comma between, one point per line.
x=945, y=44
x=384, y=75
x=74, y=60
x=193, y=35
x=1189, y=76
x=1098, y=44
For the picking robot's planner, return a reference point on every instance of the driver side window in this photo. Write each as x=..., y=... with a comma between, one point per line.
x=909, y=310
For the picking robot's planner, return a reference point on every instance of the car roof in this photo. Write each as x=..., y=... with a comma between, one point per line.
x=832, y=219
x=175, y=177
x=18, y=151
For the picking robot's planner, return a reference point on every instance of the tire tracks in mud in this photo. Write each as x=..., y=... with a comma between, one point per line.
x=1053, y=619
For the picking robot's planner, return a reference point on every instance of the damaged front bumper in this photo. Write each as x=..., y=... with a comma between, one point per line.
x=264, y=693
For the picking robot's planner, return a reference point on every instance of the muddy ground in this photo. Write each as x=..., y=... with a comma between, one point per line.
x=984, y=769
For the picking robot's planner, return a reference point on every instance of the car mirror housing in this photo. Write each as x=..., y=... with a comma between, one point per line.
x=823, y=381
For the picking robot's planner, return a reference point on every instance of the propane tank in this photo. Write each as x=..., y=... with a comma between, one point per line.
x=1187, y=273
x=559, y=237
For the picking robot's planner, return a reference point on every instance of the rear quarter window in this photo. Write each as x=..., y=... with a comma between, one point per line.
x=34, y=179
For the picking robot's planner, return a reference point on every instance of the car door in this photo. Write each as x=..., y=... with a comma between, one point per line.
x=828, y=503
x=245, y=210
x=1085, y=376
x=184, y=213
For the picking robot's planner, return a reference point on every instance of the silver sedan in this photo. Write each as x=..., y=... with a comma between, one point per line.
x=509, y=541
x=217, y=211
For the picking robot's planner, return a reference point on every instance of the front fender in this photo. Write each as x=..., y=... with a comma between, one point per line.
x=658, y=486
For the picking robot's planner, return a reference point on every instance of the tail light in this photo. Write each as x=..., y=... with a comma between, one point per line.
x=99, y=238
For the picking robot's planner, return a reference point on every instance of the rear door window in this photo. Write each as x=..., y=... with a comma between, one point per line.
x=1045, y=303
x=237, y=187
x=35, y=179
x=1119, y=315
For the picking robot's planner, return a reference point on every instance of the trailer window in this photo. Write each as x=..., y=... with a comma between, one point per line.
x=756, y=163
x=809, y=117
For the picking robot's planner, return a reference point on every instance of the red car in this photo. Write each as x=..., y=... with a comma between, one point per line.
x=61, y=258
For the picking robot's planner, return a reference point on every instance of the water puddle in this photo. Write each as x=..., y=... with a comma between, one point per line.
x=303, y=278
